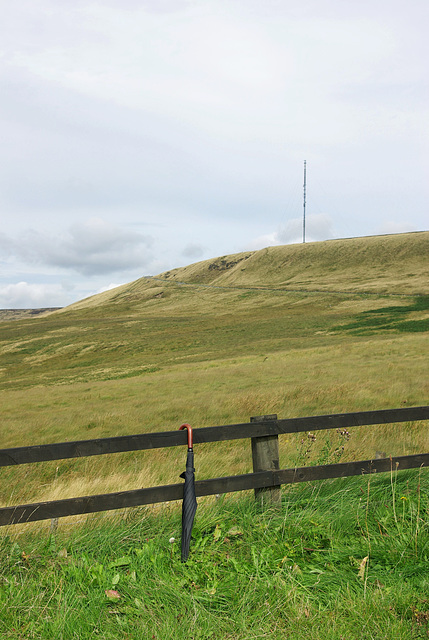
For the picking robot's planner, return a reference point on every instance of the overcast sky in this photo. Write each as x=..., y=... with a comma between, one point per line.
x=140, y=135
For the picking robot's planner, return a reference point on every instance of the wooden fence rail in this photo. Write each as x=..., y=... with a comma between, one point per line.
x=265, y=480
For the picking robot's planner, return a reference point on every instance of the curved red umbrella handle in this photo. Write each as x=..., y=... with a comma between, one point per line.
x=190, y=435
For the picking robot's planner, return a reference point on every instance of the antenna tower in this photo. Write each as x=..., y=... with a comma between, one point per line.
x=305, y=194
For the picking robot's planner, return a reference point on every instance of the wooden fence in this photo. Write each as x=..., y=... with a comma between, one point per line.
x=265, y=479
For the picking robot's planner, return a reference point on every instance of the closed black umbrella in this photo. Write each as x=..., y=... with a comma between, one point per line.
x=189, y=505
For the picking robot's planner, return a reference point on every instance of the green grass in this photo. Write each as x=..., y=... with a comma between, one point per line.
x=228, y=344
x=193, y=325
x=342, y=559
x=393, y=317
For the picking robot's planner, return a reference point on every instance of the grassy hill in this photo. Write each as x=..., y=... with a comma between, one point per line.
x=378, y=264
x=297, y=330
x=232, y=342
x=396, y=264
x=264, y=302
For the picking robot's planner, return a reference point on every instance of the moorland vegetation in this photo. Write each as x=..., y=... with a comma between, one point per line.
x=298, y=330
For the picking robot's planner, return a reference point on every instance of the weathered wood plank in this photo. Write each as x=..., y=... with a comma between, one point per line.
x=82, y=448
x=122, y=499
x=309, y=423
x=101, y=446
x=265, y=457
x=262, y=479
x=348, y=469
x=356, y=419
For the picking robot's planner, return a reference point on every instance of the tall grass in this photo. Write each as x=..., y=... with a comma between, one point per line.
x=371, y=374
x=341, y=559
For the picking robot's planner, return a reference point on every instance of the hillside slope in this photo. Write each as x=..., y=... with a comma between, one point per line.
x=394, y=264
x=245, y=304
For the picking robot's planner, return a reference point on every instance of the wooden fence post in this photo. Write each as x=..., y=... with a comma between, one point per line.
x=265, y=456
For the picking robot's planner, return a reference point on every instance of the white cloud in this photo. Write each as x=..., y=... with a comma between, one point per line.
x=23, y=295
x=317, y=227
x=193, y=250
x=90, y=248
x=260, y=242
x=108, y=287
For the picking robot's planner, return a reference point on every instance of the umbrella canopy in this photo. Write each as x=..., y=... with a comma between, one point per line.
x=189, y=505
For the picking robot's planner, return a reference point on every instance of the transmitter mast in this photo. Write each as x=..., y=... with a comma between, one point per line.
x=304, y=203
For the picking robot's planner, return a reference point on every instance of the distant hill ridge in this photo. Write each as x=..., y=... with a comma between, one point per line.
x=20, y=314
x=388, y=264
